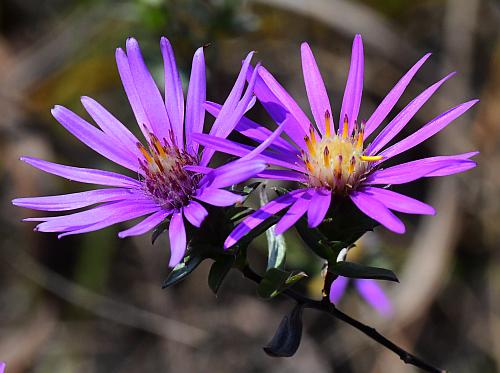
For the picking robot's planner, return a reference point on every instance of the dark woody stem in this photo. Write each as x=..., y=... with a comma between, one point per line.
x=325, y=306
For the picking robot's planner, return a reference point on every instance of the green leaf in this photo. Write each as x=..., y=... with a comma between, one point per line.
x=286, y=339
x=317, y=241
x=355, y=270
x=239, y=213
x=183, y=269
x=276, y=244
x=160, y=228
x=219, y=270
x=276, y=281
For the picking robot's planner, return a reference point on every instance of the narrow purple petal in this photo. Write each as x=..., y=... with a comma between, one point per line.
x=374, y=295
x=118, y=217
x=281, y=106
x=148, y=92
x=399, y=202
x=83, y=175
x=231, y=147
x=195, y=213
x=294, y=213
x=132, y=93
x=338, y=288
x=414, y=170
x=282, y=175
x=177, y=235
x=94, y=138
x=320, y=203
x=402, y=119
x=174, y=97
x=315, y=87
x=377, y=211
x=199, y=169
x=253, y=130
x=453, y=168
x=265, y=144
x=218, y=197
x=354, y=86
x=233, y=109
x=110, y=212
x=111, y=126
x=146, y=225
x=232, y=173
x=392, y=98
x=74, y=201
x=195, y=111
x=430, y=129
x=261, y=215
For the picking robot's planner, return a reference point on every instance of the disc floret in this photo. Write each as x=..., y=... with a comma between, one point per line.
x=165, y=178
x=336, y=161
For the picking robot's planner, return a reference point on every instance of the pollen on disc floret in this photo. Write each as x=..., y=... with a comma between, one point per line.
x=336, y=160
x=165, y=178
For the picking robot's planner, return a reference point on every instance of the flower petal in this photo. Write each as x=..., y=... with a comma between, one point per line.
x=371, y=291
x=430, y=129
x=174, y=97
x=320, y=203
x=281, y=106
x=294, y=213
x=111, y=126
x=231, y=147
x=177, y=236
x=233, y=109
x=195, y=213
x=392, y=98
x=402, y=119
x=132, y=94
x=315, y=87
x=110, y=212
x=218, y=197
x=282, y=175
x=74, y=201
x=94, y=138
x=232, y=173
x=83, y=175
x=377, y=211
x=195, y=112
x=253, y=130
x=148, y=92
x=399, y=202
x=414, y=170
x=262, y=214
x=354, y=85
x=146, y=225
x=337, y=289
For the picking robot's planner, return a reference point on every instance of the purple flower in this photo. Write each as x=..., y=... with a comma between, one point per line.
x=2, y=366
x=332, y=163
x=169, y=182
x=369, y=291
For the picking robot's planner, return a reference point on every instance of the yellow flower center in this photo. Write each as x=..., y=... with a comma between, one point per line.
x=336, y=161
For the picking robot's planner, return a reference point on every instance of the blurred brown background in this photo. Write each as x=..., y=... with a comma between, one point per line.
x=93, y=303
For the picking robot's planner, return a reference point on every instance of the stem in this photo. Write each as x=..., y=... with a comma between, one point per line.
x=329, y=308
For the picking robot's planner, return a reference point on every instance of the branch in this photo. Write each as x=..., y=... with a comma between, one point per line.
x=329, y=308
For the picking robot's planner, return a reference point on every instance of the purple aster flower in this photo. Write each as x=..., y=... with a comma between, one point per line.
x=333, y=162
x=169, y=183
x=2, y=366
x=369, y=290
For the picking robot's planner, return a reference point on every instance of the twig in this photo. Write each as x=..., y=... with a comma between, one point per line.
x=326, y=306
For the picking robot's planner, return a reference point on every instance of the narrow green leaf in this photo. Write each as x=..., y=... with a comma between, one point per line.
x=219, y=270
x=275, y=243
x=276, y=281
x=182, y=270
x=355, y=270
